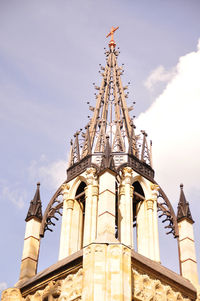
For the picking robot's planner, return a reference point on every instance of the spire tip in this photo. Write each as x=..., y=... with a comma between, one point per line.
x=111, y=34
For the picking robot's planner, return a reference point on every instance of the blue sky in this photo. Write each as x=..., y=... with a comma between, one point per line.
x=50, y=53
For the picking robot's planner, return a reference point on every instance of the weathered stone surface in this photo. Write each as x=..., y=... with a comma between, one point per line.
x=11, y=294
x=69, y=289
x=145, y=287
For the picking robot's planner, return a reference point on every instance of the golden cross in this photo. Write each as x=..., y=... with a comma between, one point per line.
x=111, y=33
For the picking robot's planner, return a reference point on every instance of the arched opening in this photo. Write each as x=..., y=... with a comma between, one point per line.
x=79, y=213
x=138, y=196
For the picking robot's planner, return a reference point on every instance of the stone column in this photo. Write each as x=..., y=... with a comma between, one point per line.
x=95, y=194
x=30, y=250
x=106, y=206
x=65, y=237
x=126, y=208
x=122, y=214
x=155, y=189
x=150, y=221
x=107, y=272
x=147, y=226
x=187, y=252
x=91, y=196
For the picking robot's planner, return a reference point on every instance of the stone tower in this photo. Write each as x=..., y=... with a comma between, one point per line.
x=109, y=244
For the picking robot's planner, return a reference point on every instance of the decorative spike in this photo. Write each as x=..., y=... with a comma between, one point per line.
x=130, y=108
x=35, y=208
x=91, y=108
x=183, y=207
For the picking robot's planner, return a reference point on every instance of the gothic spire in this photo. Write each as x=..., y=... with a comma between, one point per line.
x=35, y=208
x=183, y=207
x=111, y=118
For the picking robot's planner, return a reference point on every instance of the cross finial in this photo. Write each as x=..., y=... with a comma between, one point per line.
x=111, y=33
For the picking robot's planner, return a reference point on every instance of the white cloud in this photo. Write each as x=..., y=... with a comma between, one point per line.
x=3, y=286
x=51, y=174
x=159, y=75
x=173, y=124
x=13, y=194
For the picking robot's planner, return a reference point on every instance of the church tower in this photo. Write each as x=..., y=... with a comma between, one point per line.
x=110, y=202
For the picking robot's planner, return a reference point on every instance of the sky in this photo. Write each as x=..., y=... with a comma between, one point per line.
x=50, y=53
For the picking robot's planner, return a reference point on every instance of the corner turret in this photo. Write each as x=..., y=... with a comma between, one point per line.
x=35, y=208
x=32, y=238
x=187, y=253
x=183, y=208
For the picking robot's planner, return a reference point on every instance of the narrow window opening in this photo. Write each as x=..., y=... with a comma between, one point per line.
x=80, y=197
x=138, y=196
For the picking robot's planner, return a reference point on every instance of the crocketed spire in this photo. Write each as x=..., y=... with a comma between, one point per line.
x=35, y=208
x=183, y=207
x=110, y=123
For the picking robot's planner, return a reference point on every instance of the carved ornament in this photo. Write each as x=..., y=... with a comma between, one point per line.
x=146, y=288
x=12, y=293
x=70, y=204
x=127, y=174
x=69, y=289
x=90, y=175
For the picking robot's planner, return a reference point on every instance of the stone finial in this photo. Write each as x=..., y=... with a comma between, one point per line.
x=183, y=207
x=35, y=208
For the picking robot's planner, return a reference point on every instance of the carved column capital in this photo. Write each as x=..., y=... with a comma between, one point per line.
x=65, y=190
x=90, y=175
x=127, y=174
x=70, y=204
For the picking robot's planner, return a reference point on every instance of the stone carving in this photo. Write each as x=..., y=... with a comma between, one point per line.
x=127, y=174
x=146, y=288
x=52, y=291
x=90, y=175
x=36, y=297
x=69, y=289
x=72, y=287
x=11, y=294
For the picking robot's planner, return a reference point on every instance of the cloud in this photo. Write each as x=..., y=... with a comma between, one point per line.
x=14, y=194
x=159, y=75
x=3, y=286
x=51, y=174
x=173, y=124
